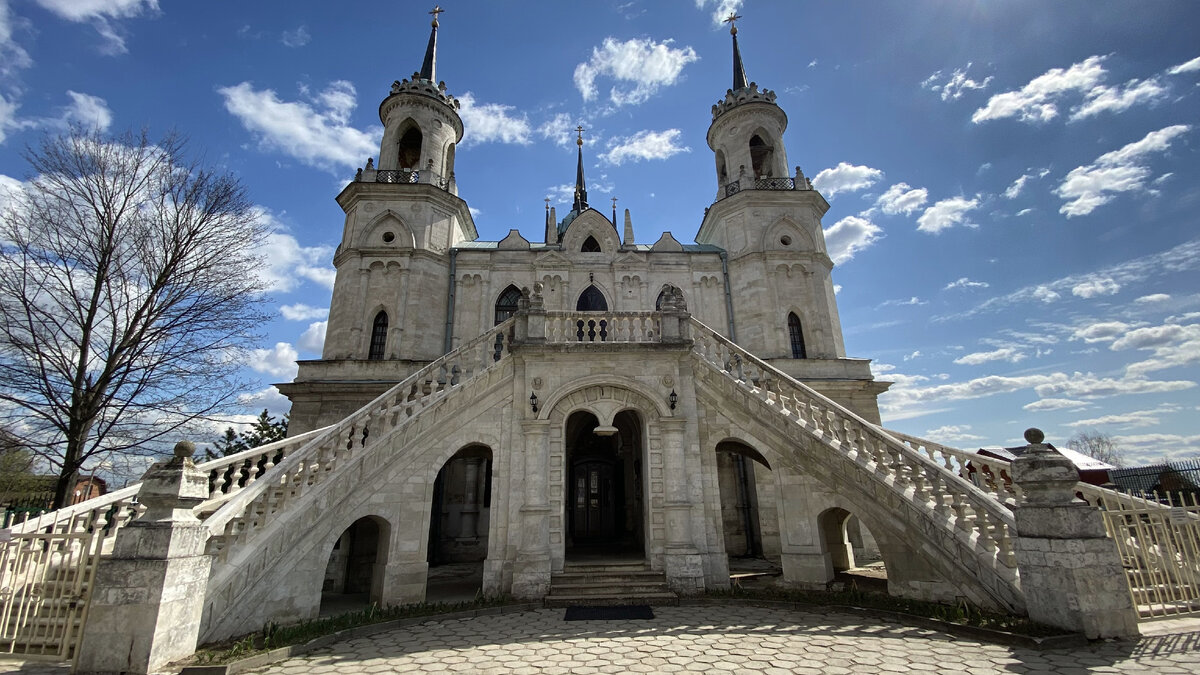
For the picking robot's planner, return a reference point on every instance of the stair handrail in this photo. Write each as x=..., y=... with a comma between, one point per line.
x=997, y=516
x=989, y=474
x=498, y=337
x=68, y=518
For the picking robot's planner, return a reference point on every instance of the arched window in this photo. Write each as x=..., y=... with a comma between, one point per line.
x=590, y=245
x=591, y=300
x=797, y=335
x=761, y=157
x=449, y=162
x=410, y=149
x=663, y=294
x=506, y=304
x=378, y=337
x=722, y=171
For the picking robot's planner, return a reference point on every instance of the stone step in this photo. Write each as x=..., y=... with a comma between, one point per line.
x=612, y=578
x=557, y=588
x=655, y=599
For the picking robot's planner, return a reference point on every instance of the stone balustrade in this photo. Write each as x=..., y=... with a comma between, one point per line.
x=616, y=327
x=989, y=474
x=253, y=505
x=987, y=526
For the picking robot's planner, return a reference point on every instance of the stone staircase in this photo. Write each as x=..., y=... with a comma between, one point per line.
x=609, y=584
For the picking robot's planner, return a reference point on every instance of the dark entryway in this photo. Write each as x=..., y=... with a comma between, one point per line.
x=604, y=491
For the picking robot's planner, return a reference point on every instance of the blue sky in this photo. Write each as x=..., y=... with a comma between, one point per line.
x=1014, y=185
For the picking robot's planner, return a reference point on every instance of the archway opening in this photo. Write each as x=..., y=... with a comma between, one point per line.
x=853, y=552
x=507, y=303
x=590, y=245
x=379, y=334
x=458, y=526
x=748, y=513
x=604, y=488
x=591, y=300
x=796, y=337
x=762, y=157
x=409, y=149
x=669, y=289
x=449, y=162
x=354, y=572
x=722, y=171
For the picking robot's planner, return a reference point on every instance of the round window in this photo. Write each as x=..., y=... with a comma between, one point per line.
x=388, y=237
x=785, y=240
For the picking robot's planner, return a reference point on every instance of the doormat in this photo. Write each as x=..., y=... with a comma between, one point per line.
x=615, y=613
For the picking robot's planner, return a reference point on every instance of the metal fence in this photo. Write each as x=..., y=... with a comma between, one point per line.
x=45, y=582
x=1159, y=542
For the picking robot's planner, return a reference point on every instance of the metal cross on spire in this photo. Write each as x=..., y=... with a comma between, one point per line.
x=579, y=130
x=437, y=9
x=732, y=21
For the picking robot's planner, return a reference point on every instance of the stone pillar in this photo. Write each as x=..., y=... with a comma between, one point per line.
x=149, y=595
x=681, y=560
x=1070, y=570
x=531, y=570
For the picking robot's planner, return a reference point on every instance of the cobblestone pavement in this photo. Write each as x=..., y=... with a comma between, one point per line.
x=706, y=639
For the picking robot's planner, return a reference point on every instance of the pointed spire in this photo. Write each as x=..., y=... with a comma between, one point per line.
x=628, y=229
x=580, y=188
x=551, y=226
x=429, y=65
x=739, y=70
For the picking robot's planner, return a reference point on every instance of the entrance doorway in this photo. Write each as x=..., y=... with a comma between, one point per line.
x=604, y=487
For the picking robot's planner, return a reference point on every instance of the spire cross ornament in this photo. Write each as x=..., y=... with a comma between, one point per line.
x=614, y=200
x=732, y=21
x=437, y=9
x=579, y=129
x=547, y=200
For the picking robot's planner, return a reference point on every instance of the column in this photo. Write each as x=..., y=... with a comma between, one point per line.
x=682, y=563
x=470, y=509
x=531, y=570
x=149, y=595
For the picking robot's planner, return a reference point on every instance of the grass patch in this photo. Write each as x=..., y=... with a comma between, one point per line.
x=963, y=613
x=273, y=636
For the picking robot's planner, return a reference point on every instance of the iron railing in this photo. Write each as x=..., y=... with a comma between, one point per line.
x=397, y=176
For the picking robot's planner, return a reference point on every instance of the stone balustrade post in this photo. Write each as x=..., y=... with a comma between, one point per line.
x=684, y=567
x=148, y=596
x=1071, y=572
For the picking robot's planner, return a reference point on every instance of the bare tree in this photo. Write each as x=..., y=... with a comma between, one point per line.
x=127, y=290
x=1098, y=446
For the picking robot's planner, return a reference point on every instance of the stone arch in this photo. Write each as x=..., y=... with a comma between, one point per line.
x=506, y=303
x=375, y=234
x=722, y=169
x=591, y=299
x=786, y=235
x=377, y=336
x=762, y=153
x=797, y=348
x=459, y=524
x=591, y=223
x=448, y=169
x=663, y=293
x=356, y=558
x=846, y=540
x=605, y=396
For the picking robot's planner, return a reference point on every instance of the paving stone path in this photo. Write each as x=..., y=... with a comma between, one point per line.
x=708, y=639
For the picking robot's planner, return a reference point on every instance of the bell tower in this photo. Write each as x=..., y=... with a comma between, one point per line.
x=768, y=222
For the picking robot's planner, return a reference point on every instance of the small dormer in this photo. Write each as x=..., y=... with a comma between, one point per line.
x=591, y=233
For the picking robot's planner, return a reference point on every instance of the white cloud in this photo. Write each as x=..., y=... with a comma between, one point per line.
x=277, y=404
x=1151, y=337
x=279, y=361
x=88, y=111
x=13, y=57
x=641, y=65
x=946, y=214
x=9, y=189
x=302, y=312
x=1005, y=354
x=644, y=145
x=1104, y=331
x=1153, y=297
x=721, y=8
x=1014, y=190
x=1036, y=101
x=1088, y=187
x=296, y=38
x=1118, y=99
x=845, y=177
x=1141, y=418
x=952, y=432
x=914, y=301
x=849, y=236
x=313, y=338
x=8, y=116
x=964, y=282
x=491, y=122
x=289, y=263
x=900, y=198
x=1047, y=404
x=1188, y=67
x=954, y=84
x=1096, y=287
x=102, y=14
x=317, y=133
x=561, y=130
x=910, y=357
x=1044, y=294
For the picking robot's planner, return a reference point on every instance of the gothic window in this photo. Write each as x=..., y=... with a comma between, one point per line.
x=722, y=171
x=506, y=304
x=591, y=300
x=761, y=157
x=378, y=337
x=590, y=245
x=449, y=162
x=410, y=149
x=797, y=336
